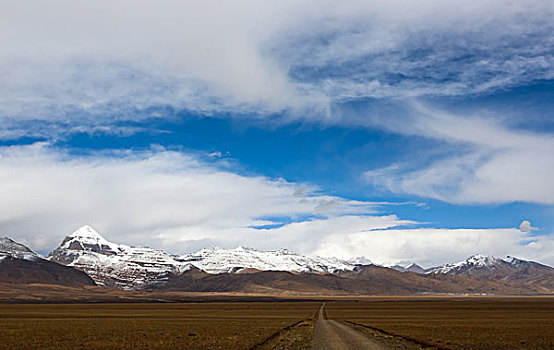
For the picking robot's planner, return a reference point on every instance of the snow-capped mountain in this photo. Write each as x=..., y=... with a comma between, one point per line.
x=115, y=265
x=218, y=260
x=474, y=262
x=510, y=268
x=10, y=248
x=123, y=266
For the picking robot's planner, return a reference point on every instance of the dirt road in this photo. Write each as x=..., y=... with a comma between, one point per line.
x=331, y=335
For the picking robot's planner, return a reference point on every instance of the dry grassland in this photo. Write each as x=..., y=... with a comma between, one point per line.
x=457, y=324
x=147, y=326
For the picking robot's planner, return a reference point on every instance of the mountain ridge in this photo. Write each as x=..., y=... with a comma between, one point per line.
x=20, y=265
x=244, y=269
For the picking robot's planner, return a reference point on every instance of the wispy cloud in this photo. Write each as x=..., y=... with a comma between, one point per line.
x=490, y=164
x=101, y=62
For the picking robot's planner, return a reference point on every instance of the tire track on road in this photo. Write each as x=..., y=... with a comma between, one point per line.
x=332, y=335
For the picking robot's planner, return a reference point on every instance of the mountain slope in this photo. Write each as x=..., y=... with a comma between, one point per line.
x=20, y=265
x=397, y=282
x=511, y=269
x=10, y=248
x=366, y=280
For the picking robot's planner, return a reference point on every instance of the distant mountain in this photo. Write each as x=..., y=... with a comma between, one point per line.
x=218, y=260
x=387, y=280
x=364, y=280
x=475, y=266
x=20, y=265
x=12, y=249
x=122, y=266
x=415, y=268
x=507, y=270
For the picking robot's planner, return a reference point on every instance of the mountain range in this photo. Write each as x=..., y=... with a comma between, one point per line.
x=85, y=257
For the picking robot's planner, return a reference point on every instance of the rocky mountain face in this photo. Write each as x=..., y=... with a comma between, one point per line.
x=122, y=266
x=115, y=265
x=20, y=265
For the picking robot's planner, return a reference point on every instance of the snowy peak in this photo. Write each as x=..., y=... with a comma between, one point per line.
x=479, y=260
x=86, y=238
x=87, y=233
x=219, y=260
x=475, y=264
x=10, y=248
x=415, y=268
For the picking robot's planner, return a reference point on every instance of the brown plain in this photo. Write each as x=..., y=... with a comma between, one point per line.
x=146, y=326
x=426, y=322
x=465, y=323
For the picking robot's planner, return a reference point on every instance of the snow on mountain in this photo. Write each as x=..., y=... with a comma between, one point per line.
x=115, y=265
x=86, y=238
x=122, y=266
x=473, y=262
x=485, y=266
x=218, y=260
x=509, y=270
x=10, y=248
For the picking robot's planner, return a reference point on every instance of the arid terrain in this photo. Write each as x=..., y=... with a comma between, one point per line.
x=462, y=323
x=368, y=323
x=147, y=326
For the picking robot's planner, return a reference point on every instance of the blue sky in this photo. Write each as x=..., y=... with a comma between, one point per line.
x=396, y=131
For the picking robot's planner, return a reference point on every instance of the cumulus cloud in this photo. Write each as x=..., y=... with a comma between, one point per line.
x=526, y=227
x=156, y=197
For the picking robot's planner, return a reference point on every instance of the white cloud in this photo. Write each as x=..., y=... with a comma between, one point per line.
x=491, y=163
x=180, y=202
x=431, y=247
x=526, y=227
x=98, y=62
x=156, y=198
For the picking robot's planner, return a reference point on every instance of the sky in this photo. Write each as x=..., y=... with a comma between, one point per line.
x=399, y=131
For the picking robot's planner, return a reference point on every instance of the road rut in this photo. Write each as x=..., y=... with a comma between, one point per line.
x=332, y=335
